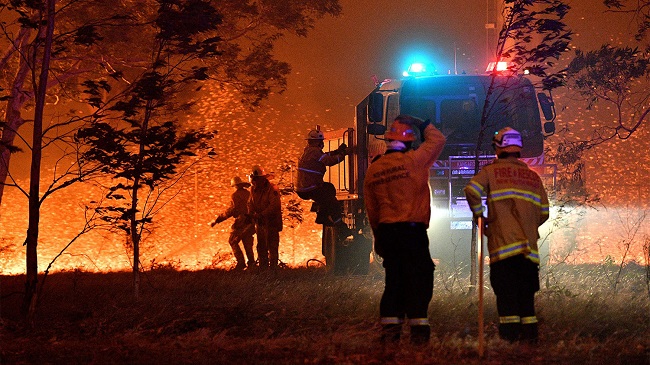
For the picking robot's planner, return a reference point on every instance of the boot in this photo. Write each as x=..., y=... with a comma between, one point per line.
x=342, y=232
x=420, y=335
x=391, y=333
x=510, y=331
x=529, y=333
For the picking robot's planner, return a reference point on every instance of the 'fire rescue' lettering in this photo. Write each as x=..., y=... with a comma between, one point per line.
x=519, y=176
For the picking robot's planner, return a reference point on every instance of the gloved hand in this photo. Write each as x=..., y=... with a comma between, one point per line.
x=218, y=220
x=422, y=126
x=342, y=150
x=476, y=220
x=255, y=217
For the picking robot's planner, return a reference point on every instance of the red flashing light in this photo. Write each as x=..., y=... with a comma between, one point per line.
x=500, y=66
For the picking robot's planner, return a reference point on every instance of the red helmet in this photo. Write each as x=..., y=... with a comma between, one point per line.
x=258, y=171
x=400, y=132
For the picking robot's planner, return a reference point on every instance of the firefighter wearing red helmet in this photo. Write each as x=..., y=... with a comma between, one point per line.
x=397, y=200
x=310, y=185
x=517, y=205
x=242, y=228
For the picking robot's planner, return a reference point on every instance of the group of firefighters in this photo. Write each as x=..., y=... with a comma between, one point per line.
x=256, y=212
x=397, y=202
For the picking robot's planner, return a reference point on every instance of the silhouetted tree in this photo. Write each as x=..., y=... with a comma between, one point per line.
x=615, y=77
x=110, y=42
x=533, y=36
x=112, y=38
x=136, y=135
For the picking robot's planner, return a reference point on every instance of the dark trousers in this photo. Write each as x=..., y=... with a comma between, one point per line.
x=404, y=248
x=268, y=243
x=329, y=208
x=515, y=281
x=247, y=240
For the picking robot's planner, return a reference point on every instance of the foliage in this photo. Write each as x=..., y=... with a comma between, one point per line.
x=615, y=77
x=22, y=43
x=612, y=75
x=117, y=152
x=532, y=37
x=294, y=212
x=134, y=137
x=640, y=11
x=102, y=45
x=538, y=35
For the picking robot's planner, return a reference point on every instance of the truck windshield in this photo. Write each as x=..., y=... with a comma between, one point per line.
x=454, y=104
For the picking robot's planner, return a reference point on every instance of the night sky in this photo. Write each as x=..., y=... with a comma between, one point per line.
x=333, y=67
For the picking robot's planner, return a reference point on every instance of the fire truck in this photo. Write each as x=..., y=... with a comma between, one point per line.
x=455, y=105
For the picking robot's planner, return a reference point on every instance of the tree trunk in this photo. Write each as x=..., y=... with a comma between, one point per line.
x=135, y=237
x=136, y=234
x=31, y=242
x=13, y=118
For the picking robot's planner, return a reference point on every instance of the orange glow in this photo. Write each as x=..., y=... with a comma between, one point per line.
x=174, y=241
x=179, y=235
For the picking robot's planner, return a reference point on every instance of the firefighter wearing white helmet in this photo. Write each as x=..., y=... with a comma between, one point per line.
x=265, y=208
x=517, y=205
x=310, y=185
x=397, y=201
x=242, y=228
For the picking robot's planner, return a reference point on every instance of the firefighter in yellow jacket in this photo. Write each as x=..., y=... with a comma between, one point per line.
x=265, y=207
x=517, y=205
x=397, y=200
x=242, y=228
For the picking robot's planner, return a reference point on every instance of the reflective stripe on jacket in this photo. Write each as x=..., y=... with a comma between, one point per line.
x=517, y=205
x=312, y=167
x=396, y=187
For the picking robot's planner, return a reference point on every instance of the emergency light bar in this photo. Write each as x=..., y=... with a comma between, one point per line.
x=498, y=66
x=416, y=69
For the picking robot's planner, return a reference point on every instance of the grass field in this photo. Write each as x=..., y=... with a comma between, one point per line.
x=309, y=316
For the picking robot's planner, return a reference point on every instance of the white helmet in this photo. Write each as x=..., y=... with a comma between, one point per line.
x=235, y=181
x=507, y=139
x=315, y=134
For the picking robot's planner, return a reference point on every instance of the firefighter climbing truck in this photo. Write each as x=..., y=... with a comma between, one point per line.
x=455, y=105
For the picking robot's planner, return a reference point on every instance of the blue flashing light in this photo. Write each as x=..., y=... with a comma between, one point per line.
x=417, y=69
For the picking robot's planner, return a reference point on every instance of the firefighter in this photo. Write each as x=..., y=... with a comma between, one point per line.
x=266, y=209
x=242, y=228
x=517, y=205
x=311, y=169
x=396, y=192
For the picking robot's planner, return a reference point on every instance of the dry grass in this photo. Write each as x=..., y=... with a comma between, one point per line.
x=308, y=316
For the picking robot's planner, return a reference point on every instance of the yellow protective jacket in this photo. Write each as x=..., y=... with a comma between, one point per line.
x=396, y=187
x=265, y=205
x=517, y=205
x=238, y=209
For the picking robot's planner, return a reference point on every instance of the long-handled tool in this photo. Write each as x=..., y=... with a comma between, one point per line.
x=481, y=339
